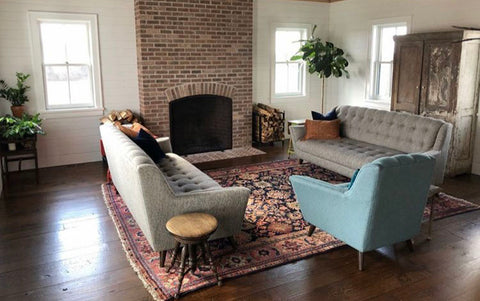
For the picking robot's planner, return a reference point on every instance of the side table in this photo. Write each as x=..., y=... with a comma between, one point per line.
x=290, y=150
x=190, y=231
x=26, y=149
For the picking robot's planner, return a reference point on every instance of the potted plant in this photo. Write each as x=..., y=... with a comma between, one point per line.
x=14, y=129
x=16, y=95
x=323, y=59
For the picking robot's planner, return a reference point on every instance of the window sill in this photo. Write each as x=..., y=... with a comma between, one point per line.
x=72, y=113
x=288, y=99
x=377, y=104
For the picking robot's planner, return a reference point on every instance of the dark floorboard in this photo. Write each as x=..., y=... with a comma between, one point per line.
x=57, y=242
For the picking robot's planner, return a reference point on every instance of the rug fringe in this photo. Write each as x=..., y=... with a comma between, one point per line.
x=130, y=255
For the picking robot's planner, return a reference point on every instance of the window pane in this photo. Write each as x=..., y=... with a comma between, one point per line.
x=62, y=42
x=53, y=43
x=287, y=43
x=80, y=85
x=77, y=43
x=401, y=30
x=293, y=78
x=387, y=44
x=384, y=80
x=56, y=80
x=281, y=78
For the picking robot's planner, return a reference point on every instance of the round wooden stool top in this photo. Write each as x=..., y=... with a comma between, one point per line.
x=192, y=225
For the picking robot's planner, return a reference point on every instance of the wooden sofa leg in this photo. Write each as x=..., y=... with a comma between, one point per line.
x=311, y=229
x=300, y=161
x=410, y=245
x=163, y=254
x=360, y=261
x=232, y=241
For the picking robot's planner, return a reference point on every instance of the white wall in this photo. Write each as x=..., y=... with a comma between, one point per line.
x=266, y=13
x=73, y=140
x=350, y=26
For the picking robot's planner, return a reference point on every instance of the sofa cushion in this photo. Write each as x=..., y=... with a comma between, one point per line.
x=183, y=177
x=332, y=115
x=322, y=129
x=405, y=132
x=149, y=145
x=347, y=152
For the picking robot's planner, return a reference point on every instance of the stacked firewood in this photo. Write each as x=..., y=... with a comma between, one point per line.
x=125, y=116
x=268, y=124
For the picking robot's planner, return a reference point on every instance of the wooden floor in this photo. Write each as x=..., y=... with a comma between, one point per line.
x=57, y=242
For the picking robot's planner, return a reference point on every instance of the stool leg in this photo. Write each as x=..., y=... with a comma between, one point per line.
x=174, y=256
x=212, y=266
x=204, y=258
x=163, y=255
x=182, y=271
x=193, y=259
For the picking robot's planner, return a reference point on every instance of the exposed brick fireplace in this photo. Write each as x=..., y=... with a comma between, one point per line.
x=190, y=45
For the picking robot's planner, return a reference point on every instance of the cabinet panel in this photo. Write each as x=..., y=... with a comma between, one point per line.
x=440, y=77
x=407, y=76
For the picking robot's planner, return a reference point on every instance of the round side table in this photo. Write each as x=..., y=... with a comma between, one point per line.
x=190, y=231
x=290, y=150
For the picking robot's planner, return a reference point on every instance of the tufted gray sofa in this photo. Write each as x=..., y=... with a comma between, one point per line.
x=368, y=134
x=156, y=192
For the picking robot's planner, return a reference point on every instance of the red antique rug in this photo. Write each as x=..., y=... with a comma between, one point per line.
x=274, y=232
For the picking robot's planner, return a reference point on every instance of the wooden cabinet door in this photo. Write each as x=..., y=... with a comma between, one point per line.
x=441, y=61
x=407, y=76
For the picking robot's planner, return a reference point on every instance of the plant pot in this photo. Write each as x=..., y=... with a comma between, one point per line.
x=17, y=111
x=12, y=147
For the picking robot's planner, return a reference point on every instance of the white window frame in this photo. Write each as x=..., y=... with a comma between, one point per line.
x=288, y=97
x=373, y=55
x=35, y=17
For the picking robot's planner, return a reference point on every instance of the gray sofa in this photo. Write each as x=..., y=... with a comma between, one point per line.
x=155, y=193
x=368, y=134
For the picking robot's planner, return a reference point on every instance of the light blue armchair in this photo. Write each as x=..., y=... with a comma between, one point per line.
x=383, y=206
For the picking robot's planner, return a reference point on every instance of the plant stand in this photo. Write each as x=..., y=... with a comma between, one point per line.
x=26, y=150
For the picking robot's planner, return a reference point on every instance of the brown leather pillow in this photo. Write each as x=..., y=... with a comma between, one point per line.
x=322, y=129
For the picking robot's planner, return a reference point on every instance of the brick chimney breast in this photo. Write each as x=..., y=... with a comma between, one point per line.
x=192, y=47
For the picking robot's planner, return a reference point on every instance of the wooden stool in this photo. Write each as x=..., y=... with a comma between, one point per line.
x=192, y=230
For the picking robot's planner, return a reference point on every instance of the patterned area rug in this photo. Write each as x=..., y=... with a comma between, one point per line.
x=227, y=154
x=274, y=232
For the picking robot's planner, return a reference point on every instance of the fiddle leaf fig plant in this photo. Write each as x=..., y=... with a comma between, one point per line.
x=323, y=59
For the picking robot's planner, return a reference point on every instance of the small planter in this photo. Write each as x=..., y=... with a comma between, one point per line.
x=12, y=147
x=17, y=111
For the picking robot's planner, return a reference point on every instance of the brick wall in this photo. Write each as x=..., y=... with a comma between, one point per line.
x=194, y=41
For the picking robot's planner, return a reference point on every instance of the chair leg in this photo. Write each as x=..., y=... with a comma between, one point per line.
x=360, y=261
x=232, y=241
x=163, y=254
x=311, y=229
x=410, y=245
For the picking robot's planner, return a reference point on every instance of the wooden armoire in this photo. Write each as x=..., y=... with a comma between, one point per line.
x=437, y=75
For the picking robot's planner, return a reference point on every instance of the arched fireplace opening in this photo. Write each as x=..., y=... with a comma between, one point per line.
x=200, y=123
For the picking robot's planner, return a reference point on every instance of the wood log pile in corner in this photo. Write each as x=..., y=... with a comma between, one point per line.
x=268, y=124
x=125, y=116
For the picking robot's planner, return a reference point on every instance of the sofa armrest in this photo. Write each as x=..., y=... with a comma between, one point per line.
x=164, y=143
x=297, y=132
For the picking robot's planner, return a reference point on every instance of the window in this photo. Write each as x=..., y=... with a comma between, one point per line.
x=289, y=76
x=381, y=70
x=66, y=58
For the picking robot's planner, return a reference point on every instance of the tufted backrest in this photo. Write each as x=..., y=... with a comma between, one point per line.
x=401, y=131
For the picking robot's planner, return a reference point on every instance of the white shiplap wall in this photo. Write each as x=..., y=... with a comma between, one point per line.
x=73, y=140
x=267, y=13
